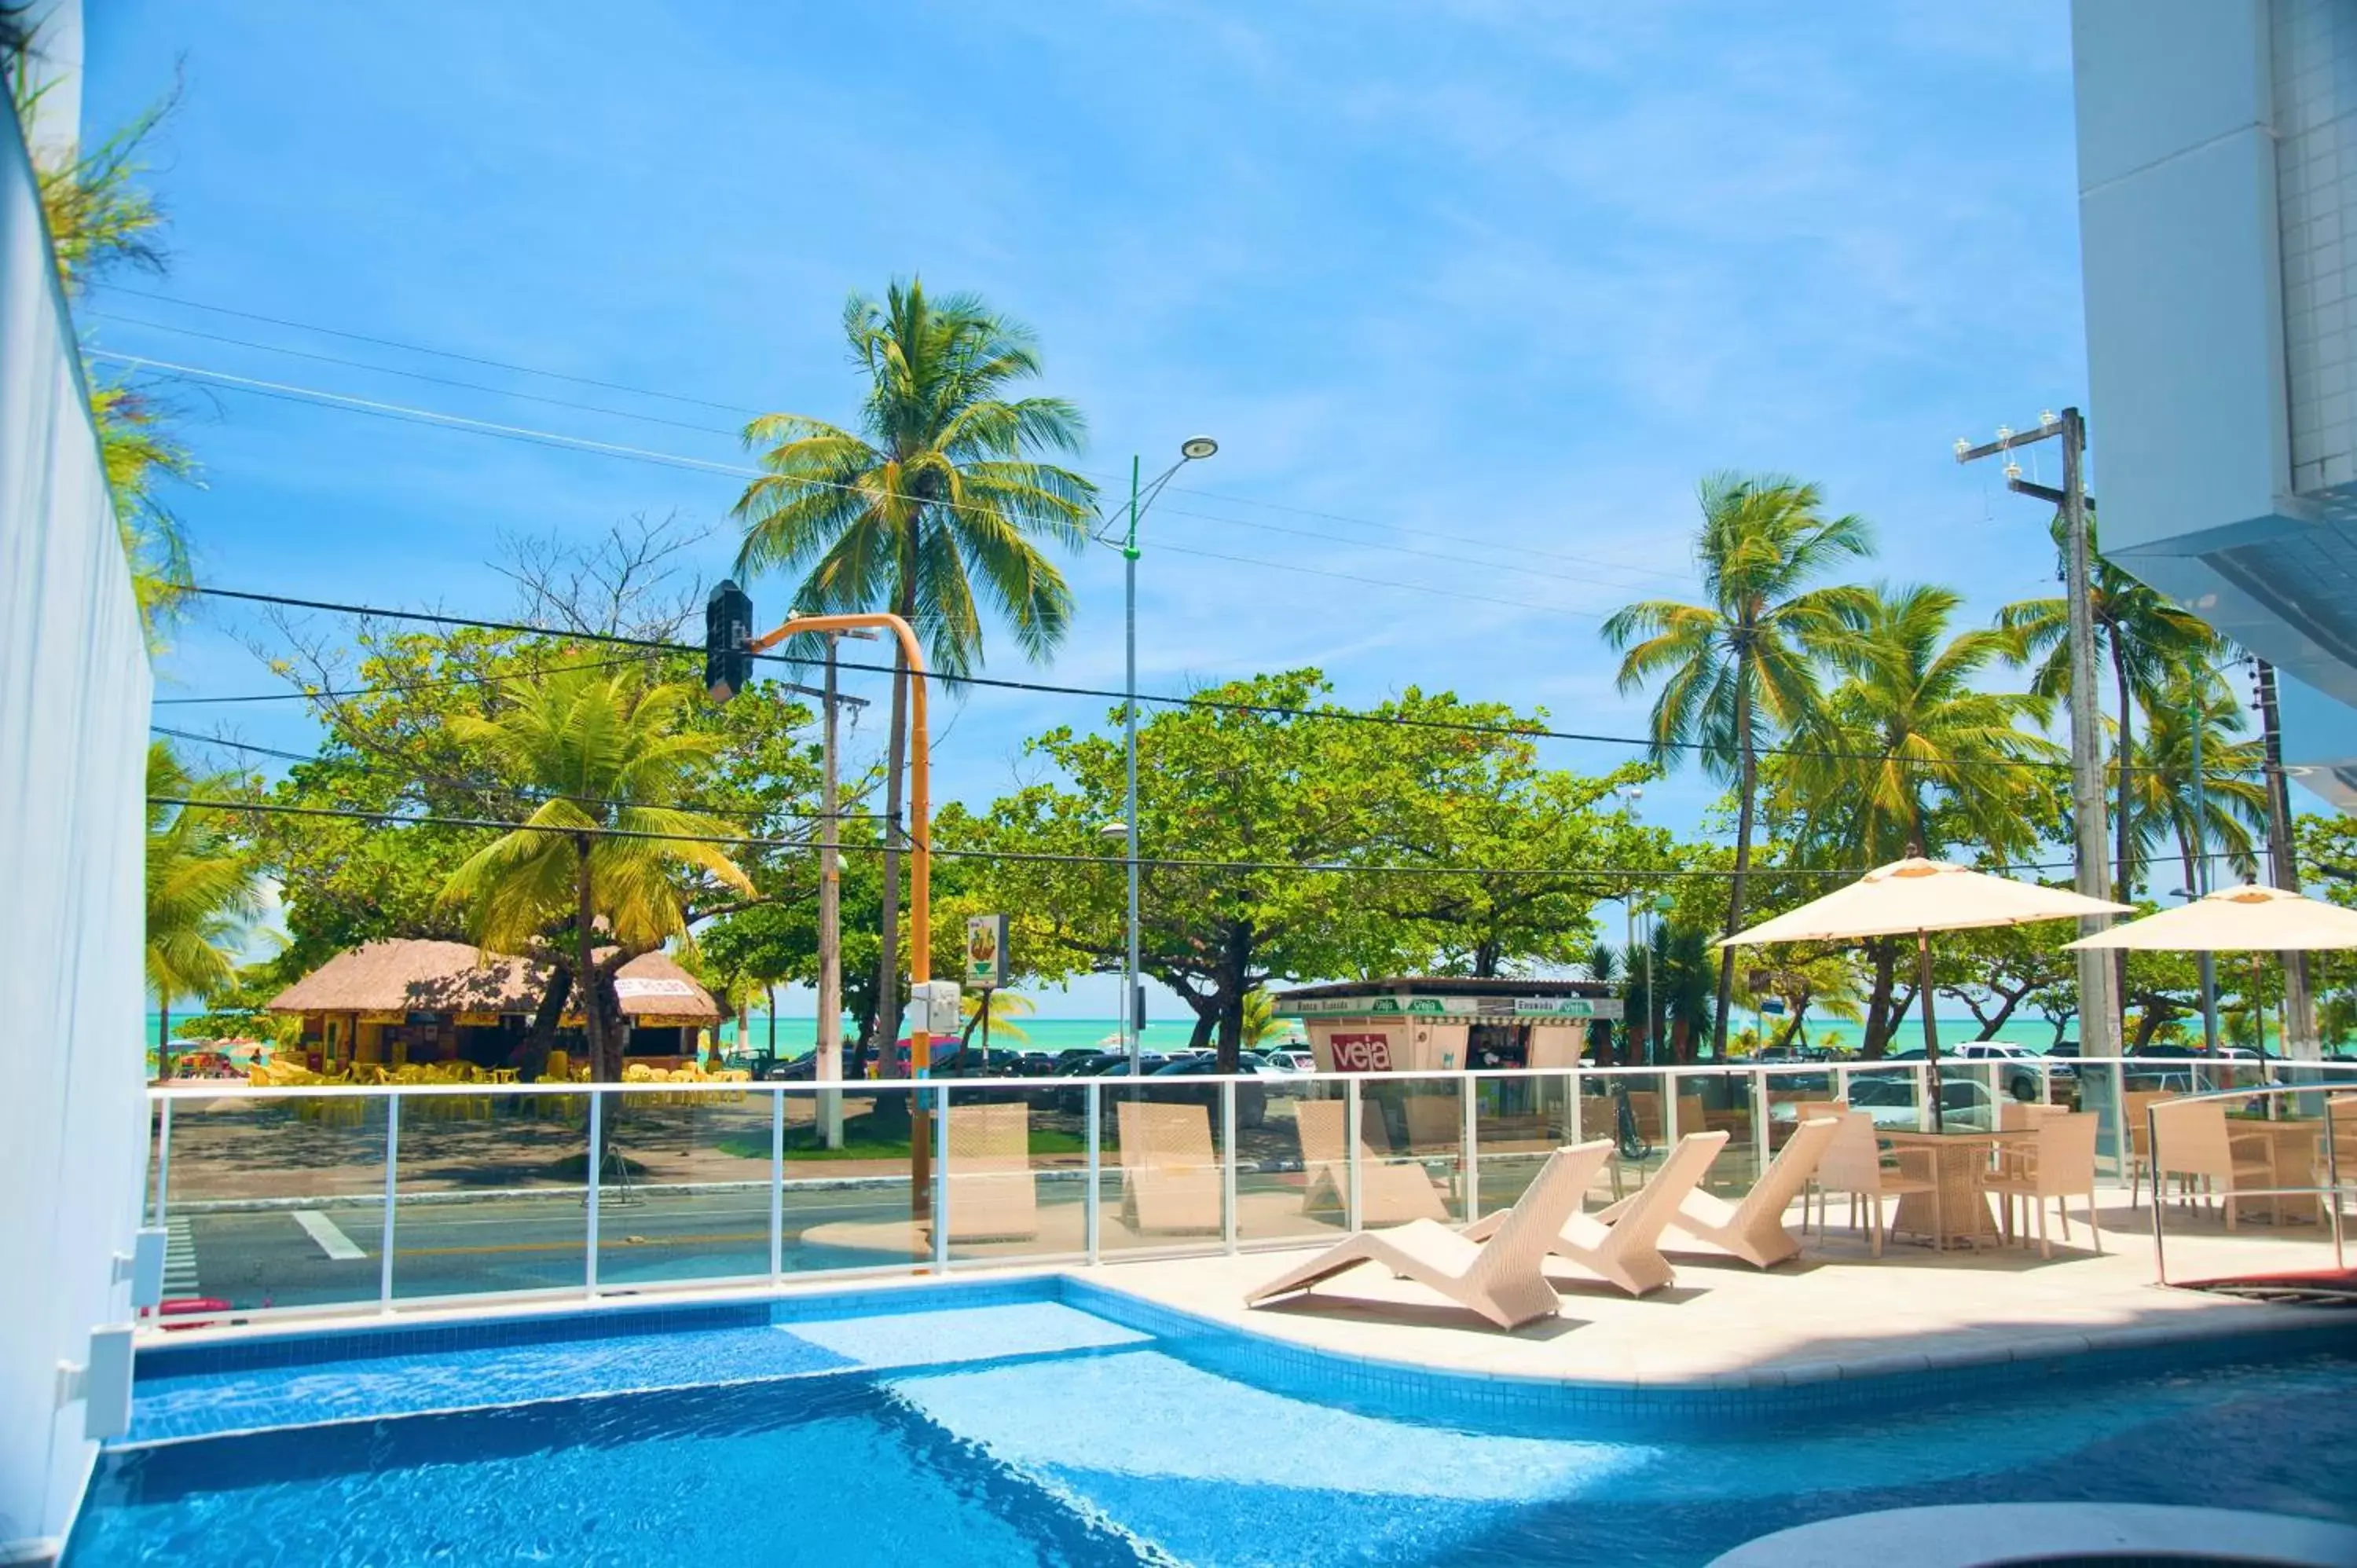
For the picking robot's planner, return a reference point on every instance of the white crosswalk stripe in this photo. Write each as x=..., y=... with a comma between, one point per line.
x=179, y=1259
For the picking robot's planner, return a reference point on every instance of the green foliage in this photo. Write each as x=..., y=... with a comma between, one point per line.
x=201, y=890
x=937, y=492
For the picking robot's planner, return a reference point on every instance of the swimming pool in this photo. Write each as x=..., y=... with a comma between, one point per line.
x=1054, y=1421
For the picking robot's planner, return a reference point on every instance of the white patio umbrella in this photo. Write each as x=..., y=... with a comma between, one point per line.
x=2248, y=918
x=1916, y=897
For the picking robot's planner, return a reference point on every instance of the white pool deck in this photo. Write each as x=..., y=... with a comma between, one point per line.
x=1836, y=1311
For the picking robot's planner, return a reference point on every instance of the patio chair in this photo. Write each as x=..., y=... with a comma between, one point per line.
x=1501, y=1277
x=2133, y=1106
x=2061, y=1164
x=1854, y=1163
x=1628, y=1252
x=1388, y=1194
x=1754, y=1228
x=1169, y=1172
x=992, y=1194
x=2192, y=1143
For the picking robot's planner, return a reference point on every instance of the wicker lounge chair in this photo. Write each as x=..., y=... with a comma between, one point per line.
x=1752, y=1230
x=1388, y=1194
x=1169, y=1172
x=2192, y=1142
x=1628, y=1252
x=1503, y=1277
x=992, y=1195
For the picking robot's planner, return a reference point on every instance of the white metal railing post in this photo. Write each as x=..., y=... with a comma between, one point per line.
x=589, y=1196
x=1668, y=1084
x=1469, y=1150
x=942, y=1176
x=1092, y=1200
x=1228, y=1166
x=392, y=1177
x=777, y=1184
x=2331, y=1180
x=1840, y=1084
x=1352, y=1142
x=1925, y=1090
x=2123, y=1155
x=163, y=1160
x=1579, y=1087
x=1758, y=1089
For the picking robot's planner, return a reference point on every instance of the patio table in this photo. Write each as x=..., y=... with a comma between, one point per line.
x=1960, y=1163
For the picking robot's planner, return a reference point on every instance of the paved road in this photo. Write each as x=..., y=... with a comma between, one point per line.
x=293, y=1257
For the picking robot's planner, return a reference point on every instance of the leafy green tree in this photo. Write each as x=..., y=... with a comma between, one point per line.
x=201, y=890
x=1997, y=971
x=2142, y=636
x=605, y=853
x=2160, y=775
x=1738, y=669
x=1911, y=751
x=937, y=492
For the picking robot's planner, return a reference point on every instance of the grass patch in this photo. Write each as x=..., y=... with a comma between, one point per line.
x=863, y=1138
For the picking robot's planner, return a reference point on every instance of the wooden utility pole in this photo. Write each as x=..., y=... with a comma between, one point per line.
x=2299, y=1012
x=830, y=920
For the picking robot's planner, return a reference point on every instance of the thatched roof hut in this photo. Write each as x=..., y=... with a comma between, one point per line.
x=414, y=975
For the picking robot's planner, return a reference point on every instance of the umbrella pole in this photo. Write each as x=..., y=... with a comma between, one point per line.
x=1930, y=1028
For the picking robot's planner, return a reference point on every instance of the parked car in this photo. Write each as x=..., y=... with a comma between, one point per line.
x=1074, y=1101
x=973, y=1061
x=1288, y=1058
x=1251, y=1099
x=2023, y=1082
x=1891, y=1103
x=803, y=1069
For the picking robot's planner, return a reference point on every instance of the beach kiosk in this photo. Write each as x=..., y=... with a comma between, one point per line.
x=1432, y=1023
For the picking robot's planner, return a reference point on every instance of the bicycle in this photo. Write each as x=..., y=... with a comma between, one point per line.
x=1625, y=1132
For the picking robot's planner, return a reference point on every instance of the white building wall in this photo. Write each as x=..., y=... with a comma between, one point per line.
x=74, y=688
x=2313, y=48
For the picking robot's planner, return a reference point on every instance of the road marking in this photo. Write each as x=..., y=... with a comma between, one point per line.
x=332, y=1241
x=179, y=1259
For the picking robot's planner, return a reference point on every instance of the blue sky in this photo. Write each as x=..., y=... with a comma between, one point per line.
x=1469, y=295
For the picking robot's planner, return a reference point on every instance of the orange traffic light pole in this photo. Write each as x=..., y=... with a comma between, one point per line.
x=921, y=858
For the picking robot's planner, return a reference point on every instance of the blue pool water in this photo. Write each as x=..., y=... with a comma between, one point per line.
x=992, y=1428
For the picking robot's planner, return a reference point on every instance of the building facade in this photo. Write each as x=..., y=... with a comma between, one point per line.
x=2217, y=143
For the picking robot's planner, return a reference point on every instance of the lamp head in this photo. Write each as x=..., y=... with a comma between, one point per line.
x=1195, y=448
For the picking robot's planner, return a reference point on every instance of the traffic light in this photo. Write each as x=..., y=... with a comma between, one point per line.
x=727, y=627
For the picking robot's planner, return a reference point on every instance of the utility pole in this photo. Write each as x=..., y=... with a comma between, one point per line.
x=2206, y=960
x=2299, y=1014
x=2099, y=1009
x=830, y=920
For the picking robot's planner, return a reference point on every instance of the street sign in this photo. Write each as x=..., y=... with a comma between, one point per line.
x=985, y=952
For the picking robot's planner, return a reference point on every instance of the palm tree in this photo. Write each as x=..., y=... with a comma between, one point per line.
x=2142, y=635
x=937, y=491
x=1257, y=1019
x=201, y=892
x=2160, y=786
x=599, y=857
x=1738, y=668
x=1910, y=745
x=1005, y=1006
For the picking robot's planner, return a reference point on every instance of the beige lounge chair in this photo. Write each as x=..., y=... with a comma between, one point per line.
x=1169, y=1172
x=1388, y=1194
x=2133, y=1107
x=2061, y=1164
x=992, y=1195
x=2191, y=1140
x=1501, y=1277
x=1752, y=1230
x=1628, y=1252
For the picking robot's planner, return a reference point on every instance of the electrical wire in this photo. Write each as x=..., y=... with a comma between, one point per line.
x=398, y=686
x=1270, y=710
x=1461, y=538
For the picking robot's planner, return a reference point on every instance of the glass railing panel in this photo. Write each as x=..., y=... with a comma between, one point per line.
x=850, y=1199
x=1795, y=1091
x=1720, y=1101
x=1415, y=1129
x=492, y=1193
x=1018, y=1170
x=1517, y=1123
x=686, y=1192
x=1292, y=1171
x=275, y=1202
x=1160, y=1182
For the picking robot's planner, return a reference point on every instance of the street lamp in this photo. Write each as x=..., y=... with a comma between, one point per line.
x=1194, y=449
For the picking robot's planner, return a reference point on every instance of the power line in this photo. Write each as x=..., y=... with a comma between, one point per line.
x=1271, y=710
x=438, y=353
x=401, y=686
x=734, y=408
x=1616, y=874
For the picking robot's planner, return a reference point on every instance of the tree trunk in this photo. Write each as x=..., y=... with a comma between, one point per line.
x=771, y=991
x=603, y=1065
x=2123, y=884
x=1235, y=961
x=163, y=1035
x=541, y=1038
x=1201, y=1035
x=1880, y=1024
x=1747, y=787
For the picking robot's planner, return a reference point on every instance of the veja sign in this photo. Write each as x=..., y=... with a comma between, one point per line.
x=1361, y=1053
